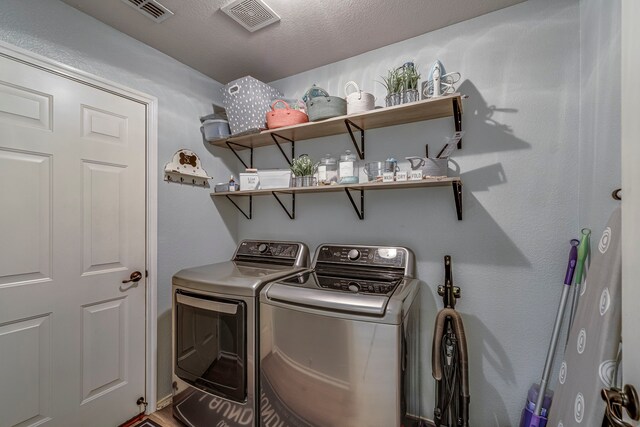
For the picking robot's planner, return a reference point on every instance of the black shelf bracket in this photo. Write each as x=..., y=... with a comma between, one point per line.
x=457, y=118
x=229, y=145
x=275, y=137
x=292, y=213
x=457, y=196
x=250, y=215
x=359, y=149
x=359, y=212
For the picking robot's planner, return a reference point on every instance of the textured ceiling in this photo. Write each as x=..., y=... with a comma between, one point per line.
x=311, y=33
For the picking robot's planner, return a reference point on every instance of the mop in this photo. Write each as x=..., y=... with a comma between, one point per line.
x=536, y=416
x=450, y=359
x=578, y=282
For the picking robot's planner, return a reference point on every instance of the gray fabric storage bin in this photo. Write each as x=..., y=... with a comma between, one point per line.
x=247, y=101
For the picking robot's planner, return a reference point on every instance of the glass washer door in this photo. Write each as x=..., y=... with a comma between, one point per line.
x=211, y=344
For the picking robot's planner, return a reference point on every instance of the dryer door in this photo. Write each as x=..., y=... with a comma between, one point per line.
x=211, y=336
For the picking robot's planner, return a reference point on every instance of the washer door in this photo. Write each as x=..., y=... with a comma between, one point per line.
x=211, y=336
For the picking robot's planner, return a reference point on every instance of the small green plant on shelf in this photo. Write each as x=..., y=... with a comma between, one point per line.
x=393, y=84
x=410, y=77
x=303, y=170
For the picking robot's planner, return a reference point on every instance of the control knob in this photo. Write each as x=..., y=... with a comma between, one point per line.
x=354, y=287
x=353, y=254
x=262, y=248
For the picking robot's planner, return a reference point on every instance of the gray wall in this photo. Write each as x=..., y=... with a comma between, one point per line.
x=519, y=163
x=191, y=231
x=599, y=111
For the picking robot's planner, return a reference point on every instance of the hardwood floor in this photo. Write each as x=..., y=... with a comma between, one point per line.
x=165, y=418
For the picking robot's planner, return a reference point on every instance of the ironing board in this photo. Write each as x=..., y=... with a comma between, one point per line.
x=589, y=363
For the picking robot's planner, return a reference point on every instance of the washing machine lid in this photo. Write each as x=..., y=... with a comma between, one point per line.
x=231, y=277
x=329, y=293
x=309, y=291
x=254, y=263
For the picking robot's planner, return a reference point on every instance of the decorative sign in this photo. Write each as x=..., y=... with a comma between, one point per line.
x=185, y=167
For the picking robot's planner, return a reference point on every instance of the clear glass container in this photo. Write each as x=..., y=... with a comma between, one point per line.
x=348, y=168
x=328, y=170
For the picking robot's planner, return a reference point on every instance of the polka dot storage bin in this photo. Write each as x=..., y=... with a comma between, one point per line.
x=247, y=101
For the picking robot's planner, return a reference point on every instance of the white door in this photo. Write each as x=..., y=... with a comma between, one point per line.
x=630, y=192
x=72, y=228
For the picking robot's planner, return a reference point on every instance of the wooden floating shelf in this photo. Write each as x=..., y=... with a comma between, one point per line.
x=429, y=109
x=455, y=183
x=426, y=182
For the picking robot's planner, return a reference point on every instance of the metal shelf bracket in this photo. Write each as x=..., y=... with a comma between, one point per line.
x=457, y=196
x=291, y=214
x=250, y=215
x=457, y=118
x=229, y=145
x=360, y=149
x=275, y=137
x=359, y=212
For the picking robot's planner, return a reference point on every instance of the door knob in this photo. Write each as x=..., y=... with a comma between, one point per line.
x=617, y=399
x=135, y=277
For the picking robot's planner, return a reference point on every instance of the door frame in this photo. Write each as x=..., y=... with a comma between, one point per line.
x=151, y=106
x=630, y=152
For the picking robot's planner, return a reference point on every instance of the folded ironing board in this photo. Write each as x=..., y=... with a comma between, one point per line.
x=590, y=358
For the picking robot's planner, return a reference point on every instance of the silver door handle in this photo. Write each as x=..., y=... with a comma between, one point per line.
x=207, y=304
x=617, y=399
x=135, y=277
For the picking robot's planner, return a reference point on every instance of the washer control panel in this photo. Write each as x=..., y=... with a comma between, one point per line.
x=268, y=249
x=364, y=255
x=359, y=286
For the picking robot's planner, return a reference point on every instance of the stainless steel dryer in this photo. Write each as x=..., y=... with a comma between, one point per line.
x=215, y=332
x=339, y=344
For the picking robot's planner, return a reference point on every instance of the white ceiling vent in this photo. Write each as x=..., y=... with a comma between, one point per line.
x=251, y=14
x=151, y=9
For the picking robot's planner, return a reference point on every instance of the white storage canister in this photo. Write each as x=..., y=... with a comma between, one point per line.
x=328, y=170
x=347, y=168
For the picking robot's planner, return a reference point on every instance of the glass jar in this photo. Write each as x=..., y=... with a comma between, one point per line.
x=328, y=170
x=348, y=168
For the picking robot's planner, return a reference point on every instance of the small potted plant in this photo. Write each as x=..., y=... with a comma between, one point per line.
x=303, y=170
x=409, y=78
x=393, y=84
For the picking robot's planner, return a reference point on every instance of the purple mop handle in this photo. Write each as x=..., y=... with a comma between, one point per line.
x=537, y=419
x=573, y=260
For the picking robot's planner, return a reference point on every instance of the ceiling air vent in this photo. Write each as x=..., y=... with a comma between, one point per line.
x=151, y=9
x=251, y=14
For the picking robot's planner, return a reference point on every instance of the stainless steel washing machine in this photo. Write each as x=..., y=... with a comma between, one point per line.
x=339, y=344
x=215, y=332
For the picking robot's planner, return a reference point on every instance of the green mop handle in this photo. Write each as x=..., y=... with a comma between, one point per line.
x=583, y=250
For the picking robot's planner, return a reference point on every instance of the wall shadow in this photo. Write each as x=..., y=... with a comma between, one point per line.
x=484, y=348
x=488, y=244
x=482, y=179
x=483, y=132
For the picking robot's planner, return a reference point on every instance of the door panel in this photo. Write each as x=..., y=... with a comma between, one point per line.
x=73, y=219
x=104, y=343
x=26, y=365
x=22, y=106
x=104, y=215
x=103, y=126
x=25, y=253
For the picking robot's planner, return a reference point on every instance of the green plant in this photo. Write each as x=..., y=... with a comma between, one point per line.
x=392, y=82
x=303, y=166
x=409, y=76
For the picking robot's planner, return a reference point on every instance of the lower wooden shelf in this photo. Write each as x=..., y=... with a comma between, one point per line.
x=455, y=183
